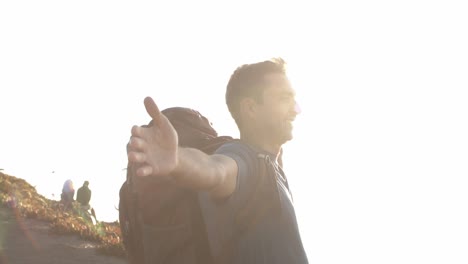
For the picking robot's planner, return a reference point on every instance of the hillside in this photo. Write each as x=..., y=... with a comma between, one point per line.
x=23, y=209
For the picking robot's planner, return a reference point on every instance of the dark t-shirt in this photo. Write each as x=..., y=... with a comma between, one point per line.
x=84, y=195
x=271, y=240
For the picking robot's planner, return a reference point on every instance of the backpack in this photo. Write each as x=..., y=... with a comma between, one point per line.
x=150, y=207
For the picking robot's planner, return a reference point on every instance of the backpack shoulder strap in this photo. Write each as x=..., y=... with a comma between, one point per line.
x=264, y=196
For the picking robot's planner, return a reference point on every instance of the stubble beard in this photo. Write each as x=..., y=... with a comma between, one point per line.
x=284, y=132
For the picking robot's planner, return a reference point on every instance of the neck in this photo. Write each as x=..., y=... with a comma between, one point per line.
x=260, y=141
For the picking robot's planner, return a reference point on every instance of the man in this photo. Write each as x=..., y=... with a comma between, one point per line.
x=84, y=195
x=262, y=102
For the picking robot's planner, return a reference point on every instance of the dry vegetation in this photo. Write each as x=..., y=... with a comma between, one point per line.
x=19, y=195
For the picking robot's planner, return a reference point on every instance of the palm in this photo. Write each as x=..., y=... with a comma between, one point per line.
x=154, y=148
x=161, y=152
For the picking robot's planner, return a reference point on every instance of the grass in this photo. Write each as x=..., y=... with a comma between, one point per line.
x=18, y=194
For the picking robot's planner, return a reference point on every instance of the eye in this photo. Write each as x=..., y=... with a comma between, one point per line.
x=287, y=98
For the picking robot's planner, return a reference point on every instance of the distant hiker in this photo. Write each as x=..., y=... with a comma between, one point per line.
x=68, y=192
x=247, y=207
x=84, y=195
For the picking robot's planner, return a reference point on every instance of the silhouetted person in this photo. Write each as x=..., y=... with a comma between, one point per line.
x=84, y=195
x=68, y=192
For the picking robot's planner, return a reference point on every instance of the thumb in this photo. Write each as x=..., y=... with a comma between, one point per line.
x=152, y=109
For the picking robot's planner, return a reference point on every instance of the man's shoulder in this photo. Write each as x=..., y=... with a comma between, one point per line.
x=234, y=146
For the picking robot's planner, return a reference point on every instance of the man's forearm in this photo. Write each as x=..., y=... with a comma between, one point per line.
x=197, y=170
x=216, y=173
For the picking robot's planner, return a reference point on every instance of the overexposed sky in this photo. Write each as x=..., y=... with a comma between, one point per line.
x=379, y=163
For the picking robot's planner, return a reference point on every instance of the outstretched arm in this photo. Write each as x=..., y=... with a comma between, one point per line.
x=154, y=151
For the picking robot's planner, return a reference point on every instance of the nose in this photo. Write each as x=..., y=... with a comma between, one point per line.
x=297, y=108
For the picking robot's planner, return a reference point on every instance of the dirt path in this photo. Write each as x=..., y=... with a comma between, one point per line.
x=29, y=241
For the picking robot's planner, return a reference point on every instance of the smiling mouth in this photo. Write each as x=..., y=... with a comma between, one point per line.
x=289, y=123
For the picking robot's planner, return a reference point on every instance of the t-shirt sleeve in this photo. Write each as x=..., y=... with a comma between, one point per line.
x=246, y=175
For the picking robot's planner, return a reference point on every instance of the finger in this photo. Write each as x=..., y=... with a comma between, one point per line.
x=152, y=109
x=144, y=171
x=137, y=157
x=137, y=143
x=137, y=131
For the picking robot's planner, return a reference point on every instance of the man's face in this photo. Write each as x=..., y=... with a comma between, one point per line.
x=278, y=110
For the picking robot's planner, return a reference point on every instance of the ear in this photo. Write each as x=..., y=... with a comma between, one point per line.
x=248, y=107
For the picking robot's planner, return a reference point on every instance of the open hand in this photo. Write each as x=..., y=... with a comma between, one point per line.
x=153, y=149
